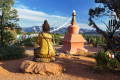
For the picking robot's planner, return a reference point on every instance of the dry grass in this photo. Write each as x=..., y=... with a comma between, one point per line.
x=82, y=53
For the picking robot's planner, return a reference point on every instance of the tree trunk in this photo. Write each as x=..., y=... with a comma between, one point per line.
x=116, y=11
x=2, y=39
x=111, y=42
x=1, y=28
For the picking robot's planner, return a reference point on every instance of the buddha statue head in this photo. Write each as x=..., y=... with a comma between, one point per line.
x=45, y=26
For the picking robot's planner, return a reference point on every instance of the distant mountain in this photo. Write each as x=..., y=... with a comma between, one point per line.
x=62, y=30
x=30, y=29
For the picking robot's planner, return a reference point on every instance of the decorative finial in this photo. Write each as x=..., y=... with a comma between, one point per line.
x=74, y=14
x=73, y=19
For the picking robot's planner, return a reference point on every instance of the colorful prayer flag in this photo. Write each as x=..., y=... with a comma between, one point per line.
x=93, y=26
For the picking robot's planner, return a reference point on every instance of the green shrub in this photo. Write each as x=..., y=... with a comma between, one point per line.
x=94, y=44
x=9, y=53
x=80, y=53
x=34, y=39
x=28, y=42
x=8, y=35
x=60, y=43
x=88, y=54
x=58, y=39
x=95, y=40
x=104, y=62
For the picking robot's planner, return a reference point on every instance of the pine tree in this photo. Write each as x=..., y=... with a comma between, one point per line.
x=8, y=17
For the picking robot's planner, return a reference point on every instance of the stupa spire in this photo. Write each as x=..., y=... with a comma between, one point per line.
x=73, y=17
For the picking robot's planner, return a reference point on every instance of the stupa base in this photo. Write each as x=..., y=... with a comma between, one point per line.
x=73, y=50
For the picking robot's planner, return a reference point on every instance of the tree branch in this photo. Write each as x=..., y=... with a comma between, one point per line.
x=111, y=42
x=106, y=25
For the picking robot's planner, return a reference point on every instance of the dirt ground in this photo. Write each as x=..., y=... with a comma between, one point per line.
x=78, y=68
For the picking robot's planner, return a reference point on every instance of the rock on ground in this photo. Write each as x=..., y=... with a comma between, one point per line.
x=52, y=68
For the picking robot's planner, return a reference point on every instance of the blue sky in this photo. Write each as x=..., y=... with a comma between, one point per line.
x=57, y=12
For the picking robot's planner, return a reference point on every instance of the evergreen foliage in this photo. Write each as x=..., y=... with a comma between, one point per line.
x=9, y=35
x=104, y=62
x=95, y=40
x=8, y=18
x=18, y=30
x=9, y=53
x=58, y=40
x=28, y=42
x=110, y=6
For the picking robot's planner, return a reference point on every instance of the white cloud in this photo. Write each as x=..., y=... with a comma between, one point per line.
x=35, y=18
x=21, y=6
x=102, y=26
x=34, y=8
x=30, y=13
x=26, y=14
x=17, y=1
x=84, y=26
x=30, y=18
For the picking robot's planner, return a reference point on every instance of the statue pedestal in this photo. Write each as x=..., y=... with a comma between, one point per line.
x=52, y=68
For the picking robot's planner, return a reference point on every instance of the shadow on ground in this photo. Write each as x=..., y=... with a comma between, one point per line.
x=75, y=67
x=14, y=65
x=84, y=69
x=92, y=49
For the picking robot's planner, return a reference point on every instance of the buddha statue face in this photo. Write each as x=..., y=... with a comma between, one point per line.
x=45, y=26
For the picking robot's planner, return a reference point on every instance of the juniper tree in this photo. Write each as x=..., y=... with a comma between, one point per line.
x=110, y=6
x=8, y=17
x=19, y=30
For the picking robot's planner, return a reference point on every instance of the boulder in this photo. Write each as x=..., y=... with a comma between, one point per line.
x=52, y=68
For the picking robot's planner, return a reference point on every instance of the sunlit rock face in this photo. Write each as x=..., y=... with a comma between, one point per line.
x=53, y=68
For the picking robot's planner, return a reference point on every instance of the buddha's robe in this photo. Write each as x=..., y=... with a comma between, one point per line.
x=46, y=41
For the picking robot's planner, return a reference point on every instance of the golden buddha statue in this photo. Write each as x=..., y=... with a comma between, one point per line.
x=46, y=51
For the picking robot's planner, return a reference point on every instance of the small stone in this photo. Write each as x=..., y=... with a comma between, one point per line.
x=62, y=55
x=75, y=58
x=69, y=56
